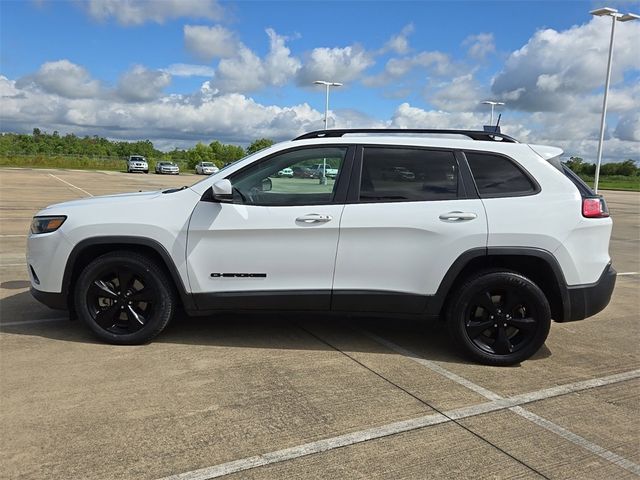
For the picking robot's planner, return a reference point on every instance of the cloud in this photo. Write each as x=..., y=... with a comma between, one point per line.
x=628, y=128
x=210, y=42
x=63, y=78
x=201, y=116
x=247, y=72
x=435, y=63
x=138, y=12
x=142, y=85
x=462, y=93
x=188, y=70
x=480, y=45
x=547, y=74
x=279, y=66
x=399, y=43
x=335, y=64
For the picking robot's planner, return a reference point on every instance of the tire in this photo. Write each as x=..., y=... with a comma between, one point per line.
x=146, y=171
x=499, y=318
x=145, y=307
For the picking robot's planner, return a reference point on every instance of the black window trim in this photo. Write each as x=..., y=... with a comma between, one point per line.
x=353, y=195
x=536, y=186
x=342, y=181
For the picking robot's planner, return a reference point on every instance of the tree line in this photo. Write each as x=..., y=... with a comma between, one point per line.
x=627, y=168
x=51, y=144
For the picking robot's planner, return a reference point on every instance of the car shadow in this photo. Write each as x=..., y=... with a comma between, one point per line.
x=287, y=331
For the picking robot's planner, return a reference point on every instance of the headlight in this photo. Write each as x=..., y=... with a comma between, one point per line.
x=46, y=224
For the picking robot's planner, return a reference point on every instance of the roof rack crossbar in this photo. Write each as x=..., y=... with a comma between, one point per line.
x=472, y=134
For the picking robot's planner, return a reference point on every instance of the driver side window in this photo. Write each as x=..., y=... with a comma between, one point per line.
x=300, y=177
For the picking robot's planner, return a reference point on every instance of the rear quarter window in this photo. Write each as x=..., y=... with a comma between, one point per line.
x=498, y=176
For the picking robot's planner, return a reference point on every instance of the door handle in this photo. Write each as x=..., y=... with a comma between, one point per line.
x=457, y=216
x=314, y=218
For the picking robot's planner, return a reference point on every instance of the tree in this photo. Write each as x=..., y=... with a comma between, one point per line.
x=199, y=153
x=223, y=154
x=576, y=164
x=259, y=144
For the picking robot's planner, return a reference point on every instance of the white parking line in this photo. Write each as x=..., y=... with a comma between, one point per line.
x=10, y=235
x=70, y=184
x=628, y=273
x=394, y=428
x=29, y=322
x=13, y=264
x=528, y=398
x=578, y=440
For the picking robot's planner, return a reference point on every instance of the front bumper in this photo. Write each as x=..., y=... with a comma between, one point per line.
x=57, y=301
x=587, y=300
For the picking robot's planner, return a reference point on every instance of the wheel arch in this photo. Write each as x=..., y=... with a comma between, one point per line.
x=90, y=248
x=537, y=264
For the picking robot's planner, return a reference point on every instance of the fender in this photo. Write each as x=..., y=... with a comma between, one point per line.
x=157, y=247
x=436, y=303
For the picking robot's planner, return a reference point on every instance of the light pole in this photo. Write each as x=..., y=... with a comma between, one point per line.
x=326, y=105
x=323, y=178
x=493, y=104
x=615, y=17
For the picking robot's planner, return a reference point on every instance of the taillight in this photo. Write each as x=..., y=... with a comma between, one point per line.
x=594, y=207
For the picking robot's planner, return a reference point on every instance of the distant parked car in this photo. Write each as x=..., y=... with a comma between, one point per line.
x=168, y=168
x=286, y=172
x=303, y=172
x=206, y=168
x=137, y=163
x=398, y=173
x=329, y=172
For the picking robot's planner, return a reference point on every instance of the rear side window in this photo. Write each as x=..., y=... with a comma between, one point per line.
x=407, y=175
x=497, y=176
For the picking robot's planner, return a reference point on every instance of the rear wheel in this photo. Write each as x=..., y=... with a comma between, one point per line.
x=499, y=318
x=124, y=297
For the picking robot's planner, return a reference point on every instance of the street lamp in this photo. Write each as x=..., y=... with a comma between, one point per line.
x=493, y=104
x=615, y=17
x=323, y=178
x=326, y=105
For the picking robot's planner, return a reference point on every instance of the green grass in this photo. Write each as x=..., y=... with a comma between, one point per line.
x=615, y=182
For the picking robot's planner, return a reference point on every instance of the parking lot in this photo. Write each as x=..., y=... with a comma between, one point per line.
x=305, y=396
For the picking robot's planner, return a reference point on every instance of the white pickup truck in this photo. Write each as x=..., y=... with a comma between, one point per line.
x=329, y=172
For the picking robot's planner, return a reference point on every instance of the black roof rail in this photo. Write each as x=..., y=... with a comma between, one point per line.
x=472, y=134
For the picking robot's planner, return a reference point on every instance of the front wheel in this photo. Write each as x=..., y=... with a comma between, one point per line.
x=499, y=318
x=124, y=298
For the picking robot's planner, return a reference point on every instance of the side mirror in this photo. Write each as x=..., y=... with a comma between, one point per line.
x=267, y=185
x=222, y=191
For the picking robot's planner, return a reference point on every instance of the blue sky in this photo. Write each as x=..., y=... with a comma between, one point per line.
x=178, y=72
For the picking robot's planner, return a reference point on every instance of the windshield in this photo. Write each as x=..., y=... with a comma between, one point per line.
x=137, y=159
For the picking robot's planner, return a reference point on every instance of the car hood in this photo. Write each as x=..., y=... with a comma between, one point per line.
x=120, y=198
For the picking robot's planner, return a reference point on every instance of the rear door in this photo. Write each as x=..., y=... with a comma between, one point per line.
x=407, y=219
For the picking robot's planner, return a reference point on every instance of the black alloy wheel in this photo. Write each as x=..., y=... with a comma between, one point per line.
x=499, y=318
x=124, y=297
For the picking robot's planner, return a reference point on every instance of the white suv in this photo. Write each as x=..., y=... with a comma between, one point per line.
x=494, y=236
x=137, y=163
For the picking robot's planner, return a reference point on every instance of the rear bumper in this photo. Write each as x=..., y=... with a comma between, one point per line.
x=57, y=301
x=587, y=300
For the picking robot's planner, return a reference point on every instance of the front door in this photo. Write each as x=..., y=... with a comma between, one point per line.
x=275, y=245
